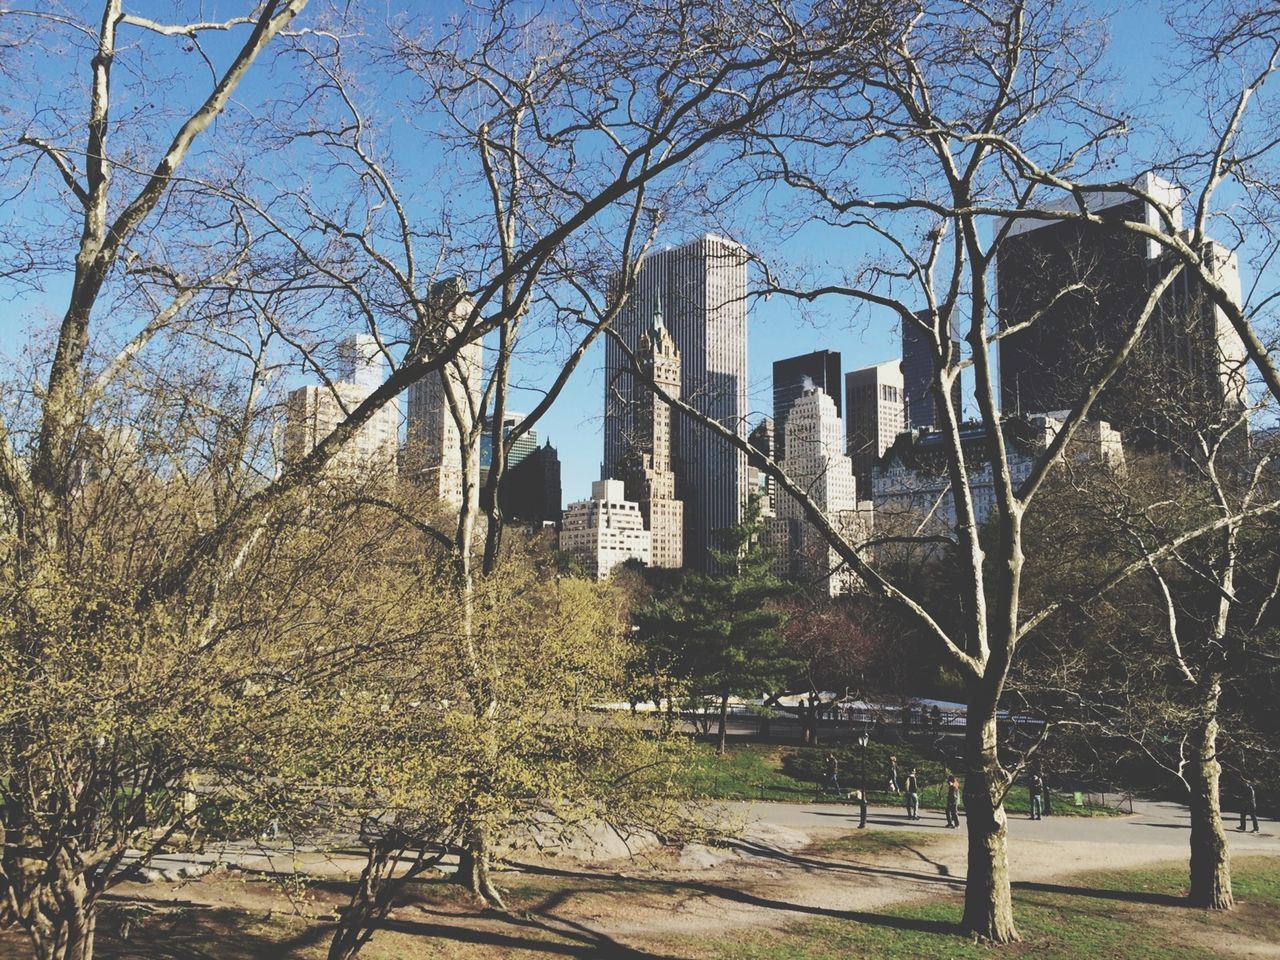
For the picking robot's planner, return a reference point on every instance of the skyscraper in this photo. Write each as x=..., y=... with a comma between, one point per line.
x=702, y=287
x=917, y=376
x=312, y=412
x=531, y=489
x=433, y=452
x=1079, y=287
x=524, y=445
x=646, y=466
x=819, y=369
x=816, y=461
x=760, y=483
x=875, y=413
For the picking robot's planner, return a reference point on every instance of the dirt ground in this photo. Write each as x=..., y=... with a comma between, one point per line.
x=776, y=874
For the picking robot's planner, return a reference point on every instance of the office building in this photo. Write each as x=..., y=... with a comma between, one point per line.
x=919, y=399
x=1078, y=288
x=647, y=468
x=875, y=413
x=759, y=483
x=444, y=403
x=702, y=287
x=524, y=444
x=605, y=531
x=530, y=492
x=313, y=412
x=911, y=486
x=816, y=462
x=792, y=376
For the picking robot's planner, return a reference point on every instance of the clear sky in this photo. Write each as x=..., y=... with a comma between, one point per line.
x=778, y=327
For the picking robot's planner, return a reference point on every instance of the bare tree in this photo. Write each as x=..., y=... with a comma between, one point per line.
x=946, y=113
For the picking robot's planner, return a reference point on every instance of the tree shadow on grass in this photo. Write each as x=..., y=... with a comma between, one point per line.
x=731, y=894
x=1097, y=893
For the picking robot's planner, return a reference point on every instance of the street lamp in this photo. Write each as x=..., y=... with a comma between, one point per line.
x=862, y=794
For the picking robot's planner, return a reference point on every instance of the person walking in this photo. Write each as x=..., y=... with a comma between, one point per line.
x=893, y=774
x=1037, y=797
x=913, y=795
x=830, y=767
x=1248, y=804
x=953, y=801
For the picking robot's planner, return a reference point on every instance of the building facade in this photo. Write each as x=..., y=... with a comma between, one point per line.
x=1076, y=288
x=702, y=287
x=606, y=530
x=530, y=491
x=759, y=483
x=647, y=469
x=791, y=377
x=911, y=487
x=875, y=413
x=312, y=412
x=444, y=403
x=816, y=462
x=920, y=402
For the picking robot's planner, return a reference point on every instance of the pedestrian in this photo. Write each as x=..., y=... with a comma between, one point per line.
x=913, y=795
x=1248, y=804
x=830, y=767
x=893, y=774
x=935, y=718
x=1037, y=796
x=953, y=801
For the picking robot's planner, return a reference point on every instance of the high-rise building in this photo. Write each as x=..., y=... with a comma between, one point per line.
x=875, y=413
x=444, y=403
x=531, y=489
x=524, y=444
x=646, y=466
x=703, y=289
x=759, y=483
x=921, y=403
x=312, y=412
x=605, y=531
x=816, y=461
x=1077, y=288
x=792, y=376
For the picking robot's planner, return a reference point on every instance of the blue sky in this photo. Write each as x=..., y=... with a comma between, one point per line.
x=778, y=327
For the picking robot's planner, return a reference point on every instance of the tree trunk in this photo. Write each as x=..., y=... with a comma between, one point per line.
x=63, y=920
x=368, y=905
x=988, y=905
x=1210, y=860
x=473, y=869
x=723, y=735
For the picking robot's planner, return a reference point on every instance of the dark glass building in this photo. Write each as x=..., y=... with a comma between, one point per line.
x=1079, y=286
x=819, y=369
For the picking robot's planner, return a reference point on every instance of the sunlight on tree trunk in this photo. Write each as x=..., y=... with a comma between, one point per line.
x=988, y=905
x=1210, y=859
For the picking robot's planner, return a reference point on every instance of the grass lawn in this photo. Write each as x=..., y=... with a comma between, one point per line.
x=1122, y=915
x=765, y=771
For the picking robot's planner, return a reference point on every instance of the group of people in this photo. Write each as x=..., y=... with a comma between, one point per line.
x=1036, y=786
x=910, y=788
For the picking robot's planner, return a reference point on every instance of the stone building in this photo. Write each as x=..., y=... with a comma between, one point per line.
x=606, y=530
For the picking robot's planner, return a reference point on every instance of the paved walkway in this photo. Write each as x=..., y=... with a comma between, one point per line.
x=1150, y=824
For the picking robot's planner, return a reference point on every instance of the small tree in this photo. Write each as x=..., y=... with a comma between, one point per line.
x=723, y=631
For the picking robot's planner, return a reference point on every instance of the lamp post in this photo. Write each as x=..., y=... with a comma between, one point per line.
x=862, y=793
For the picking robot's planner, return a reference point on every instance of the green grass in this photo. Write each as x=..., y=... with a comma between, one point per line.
x=763, y=771
x=870, y=843
x=1109, y=915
